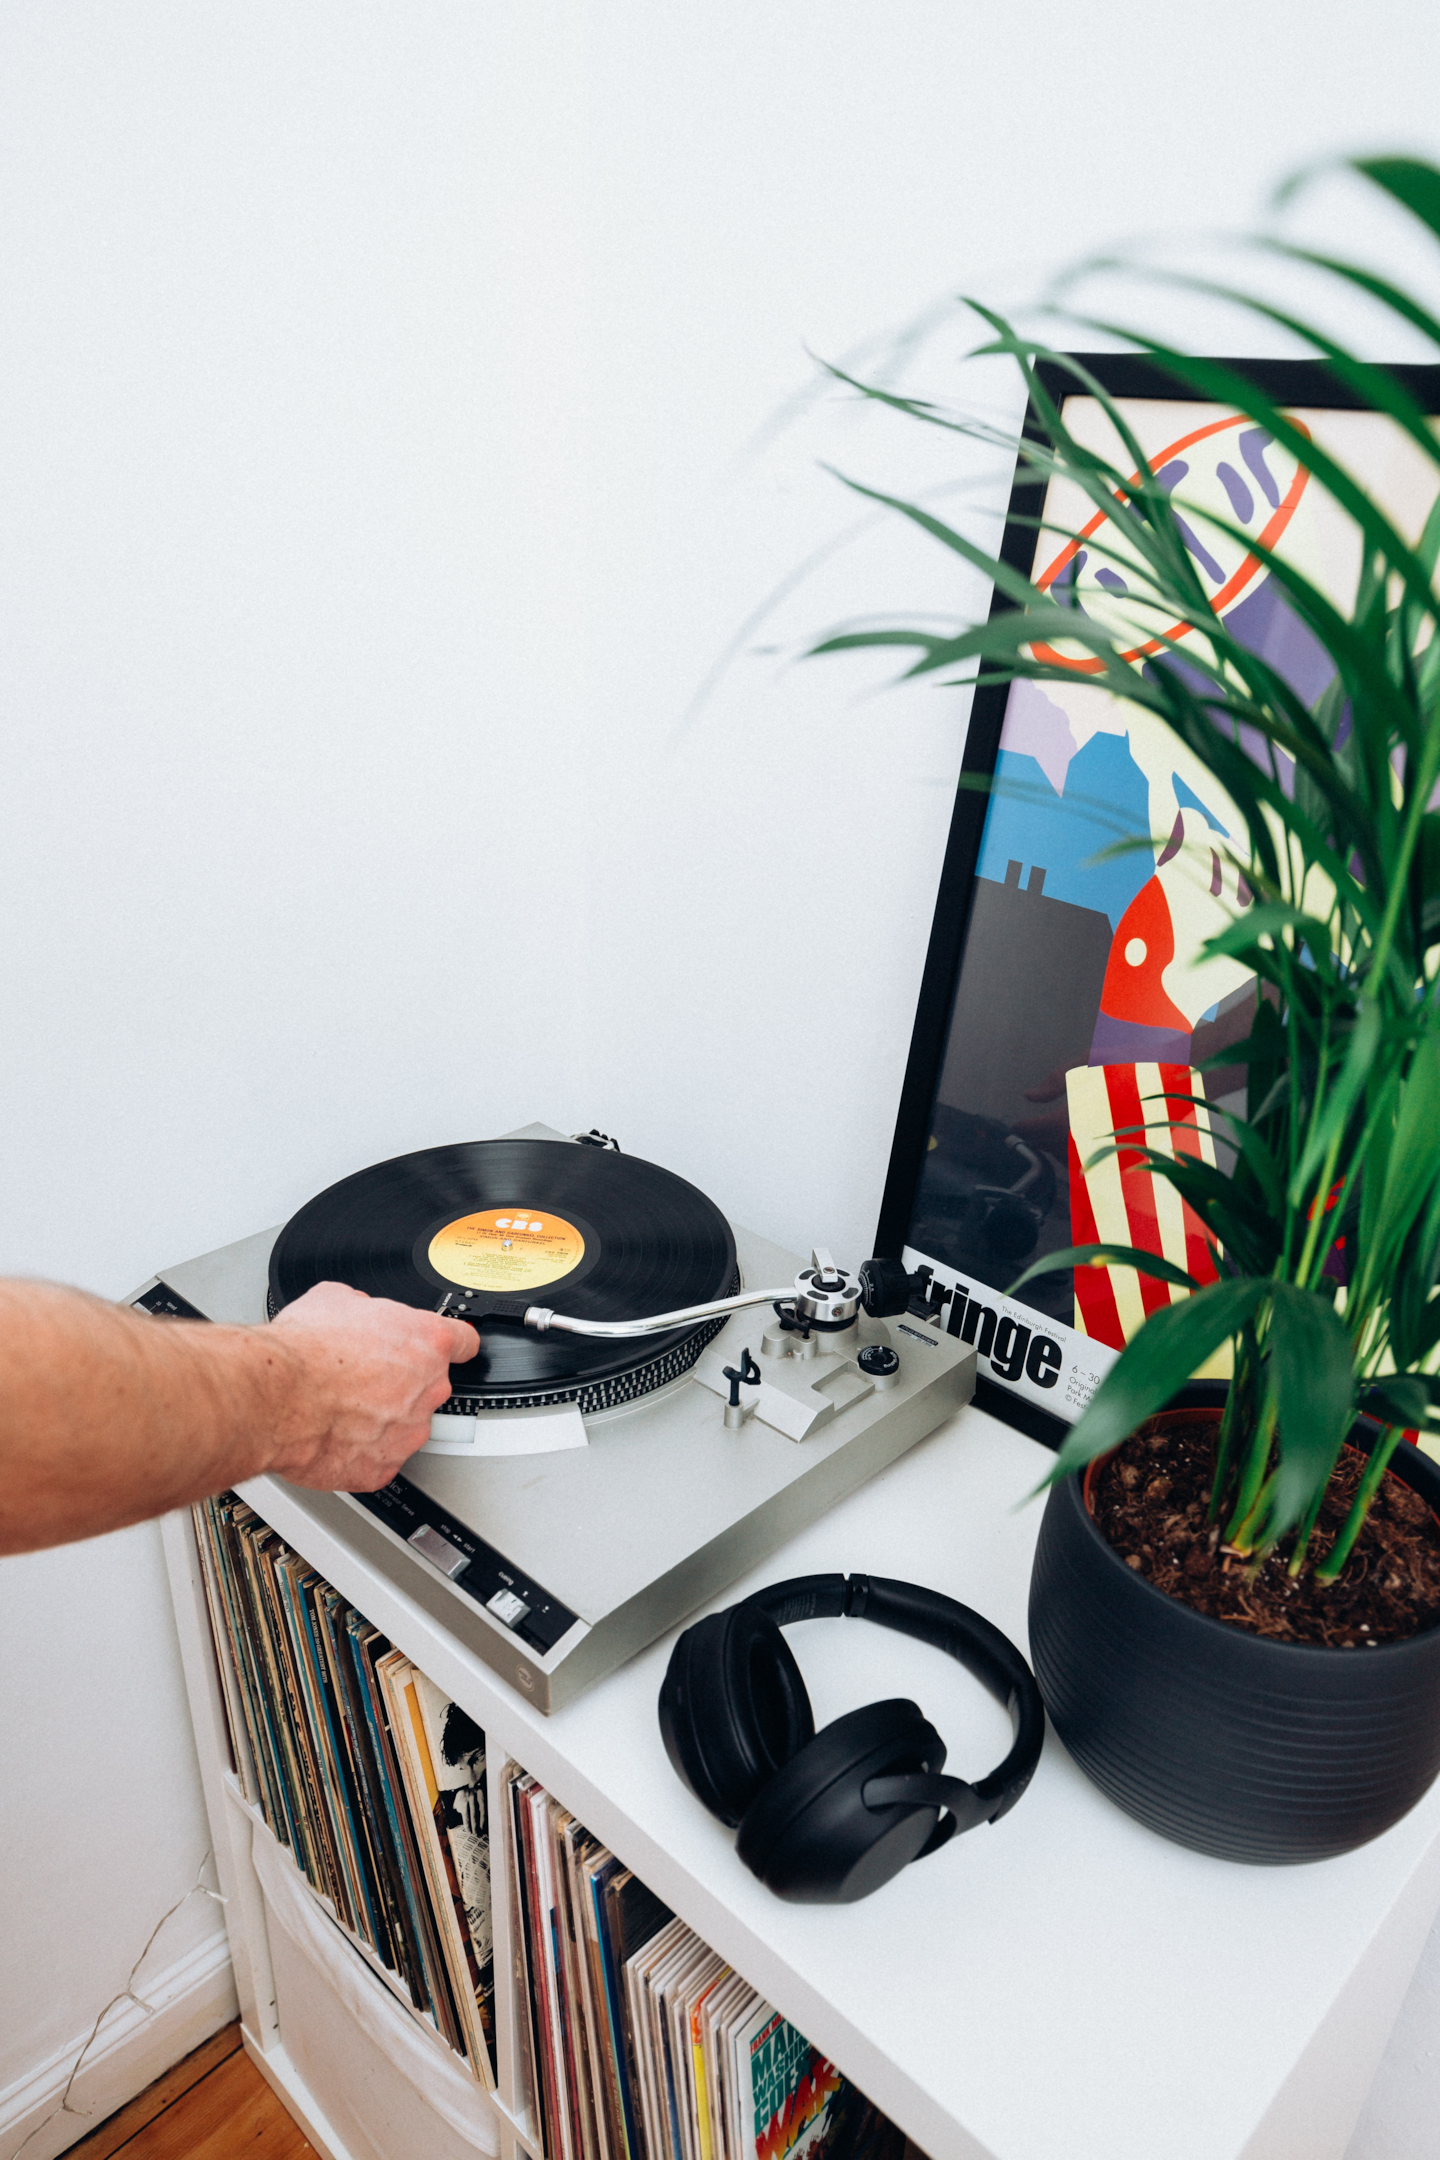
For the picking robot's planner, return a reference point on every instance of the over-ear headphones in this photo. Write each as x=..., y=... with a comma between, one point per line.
x=825, y=1818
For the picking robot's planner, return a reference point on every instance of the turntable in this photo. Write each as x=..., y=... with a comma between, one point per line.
x=659, y=1402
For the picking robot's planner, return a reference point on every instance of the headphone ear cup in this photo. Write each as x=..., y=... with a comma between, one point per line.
x=808, y=1834
x=733, y=1708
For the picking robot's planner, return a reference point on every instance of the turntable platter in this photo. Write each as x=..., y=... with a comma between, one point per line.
x=604, y=1236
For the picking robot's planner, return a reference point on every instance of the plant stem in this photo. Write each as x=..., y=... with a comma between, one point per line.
x=1400, y=869
x=1242, y=1537
x=1293, y=1077
x=1306, y=1530
x=1317, y=1217
x=1238, y=1404
x=1365, y=1492
x=1257, y=1463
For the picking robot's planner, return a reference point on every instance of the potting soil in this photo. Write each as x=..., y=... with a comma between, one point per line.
x=1150, y=1501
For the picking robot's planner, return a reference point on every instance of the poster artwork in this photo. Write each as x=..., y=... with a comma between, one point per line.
x=1083, y=954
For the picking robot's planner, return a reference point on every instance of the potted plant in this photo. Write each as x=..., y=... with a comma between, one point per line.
x=1206, y=1591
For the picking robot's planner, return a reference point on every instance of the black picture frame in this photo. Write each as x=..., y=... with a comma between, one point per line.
x=1294, y=383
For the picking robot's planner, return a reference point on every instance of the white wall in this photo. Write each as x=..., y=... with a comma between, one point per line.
x=374, y=496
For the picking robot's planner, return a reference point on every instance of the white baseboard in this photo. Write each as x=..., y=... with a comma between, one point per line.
x=189, y=2001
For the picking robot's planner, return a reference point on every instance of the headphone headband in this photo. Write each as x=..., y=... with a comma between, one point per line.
x=962, y=1634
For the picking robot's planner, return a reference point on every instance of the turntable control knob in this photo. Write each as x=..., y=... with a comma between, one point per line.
x=879, y=1364
x=885, y=1287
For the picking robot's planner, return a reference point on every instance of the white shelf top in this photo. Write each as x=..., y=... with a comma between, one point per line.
x=1065, y=1983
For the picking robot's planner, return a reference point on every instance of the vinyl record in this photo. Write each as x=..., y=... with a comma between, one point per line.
x=587, y=1231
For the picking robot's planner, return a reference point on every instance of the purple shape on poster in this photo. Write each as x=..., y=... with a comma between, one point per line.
x=1035, y=726
x=1253, y=445
x=1242, y=502
x=1265, y=623
x=1126, y=1042
x=1169, y=477
x=1111, y=580
x=1199, y=550
x=1062, y=591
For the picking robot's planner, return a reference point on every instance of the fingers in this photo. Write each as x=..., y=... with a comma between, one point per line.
x=406, y=1326
x=409, y=1329
x=323, y=1302
x=371, y=1374
x=464, y=1341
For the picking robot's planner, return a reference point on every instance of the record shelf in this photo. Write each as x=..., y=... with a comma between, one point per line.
x=1062, y=1983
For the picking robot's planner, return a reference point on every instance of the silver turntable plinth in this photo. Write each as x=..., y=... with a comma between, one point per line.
x=555, y=1554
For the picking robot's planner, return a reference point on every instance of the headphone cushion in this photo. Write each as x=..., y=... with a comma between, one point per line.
x=733, y=1708
x=808, y=1834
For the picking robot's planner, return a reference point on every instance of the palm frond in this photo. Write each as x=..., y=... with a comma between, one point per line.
x=1335, y=837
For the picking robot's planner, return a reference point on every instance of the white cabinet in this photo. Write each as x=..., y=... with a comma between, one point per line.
x=1062, y=1983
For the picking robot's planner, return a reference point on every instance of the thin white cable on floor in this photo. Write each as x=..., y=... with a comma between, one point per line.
x=126, y=1994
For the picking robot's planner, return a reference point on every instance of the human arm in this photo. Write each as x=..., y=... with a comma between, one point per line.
x=108, y=1415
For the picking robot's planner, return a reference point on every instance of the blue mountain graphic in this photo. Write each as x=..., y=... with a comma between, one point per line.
x=1106, y=798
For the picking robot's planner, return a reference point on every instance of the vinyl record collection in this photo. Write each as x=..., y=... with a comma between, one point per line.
x=634, y=2039
x=362, y=1767
x=641, y=2043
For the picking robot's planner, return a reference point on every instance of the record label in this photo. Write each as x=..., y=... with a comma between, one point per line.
x=506, y=1249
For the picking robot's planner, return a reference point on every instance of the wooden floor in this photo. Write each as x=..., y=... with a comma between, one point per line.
x=213, y=2106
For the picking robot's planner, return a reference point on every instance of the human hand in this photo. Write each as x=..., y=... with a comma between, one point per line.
x=368, y=1374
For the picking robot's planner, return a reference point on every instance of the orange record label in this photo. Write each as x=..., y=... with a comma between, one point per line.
x=506, y=1248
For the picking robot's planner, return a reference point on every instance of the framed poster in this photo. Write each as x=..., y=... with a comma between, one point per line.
x=1070, y=921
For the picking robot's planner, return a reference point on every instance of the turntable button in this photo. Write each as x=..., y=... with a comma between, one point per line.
x=438, y=1550
x=508, y=1607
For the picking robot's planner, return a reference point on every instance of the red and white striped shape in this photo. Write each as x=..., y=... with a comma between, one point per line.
x=1121, y=1201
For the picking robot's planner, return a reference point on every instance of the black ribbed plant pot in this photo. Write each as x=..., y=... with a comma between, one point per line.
x=1234, y=1745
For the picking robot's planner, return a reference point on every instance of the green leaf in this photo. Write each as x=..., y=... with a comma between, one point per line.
x=1377, y=388
x=1264, y=1061
x=1255, y=1156
x=1373, y=1157
x=1312, y=1376
x=1009, y=581
x=1413, y=183
x=1329, y=1127
x=1246, y=1228
x=1156, y=1364
x=1145, y=1263
x=1428, y=858
x=1379, y=288
x=1427, y=1333
x=1414, y=1164
x=1414, y=1316
x=1401, y=1399
x=1270, y=918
